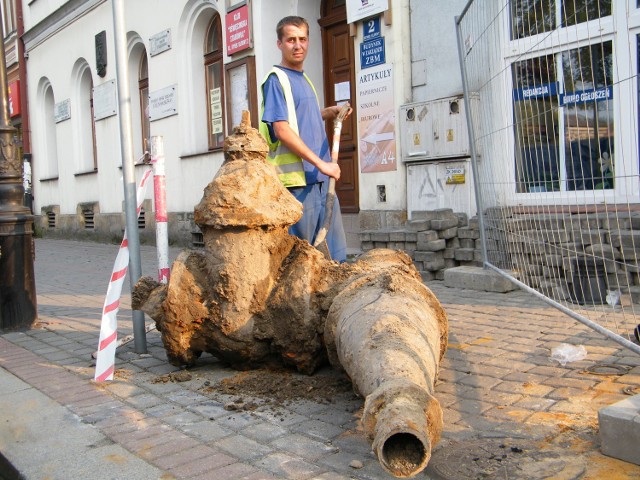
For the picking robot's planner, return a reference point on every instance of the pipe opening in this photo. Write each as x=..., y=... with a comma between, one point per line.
x=404, y=454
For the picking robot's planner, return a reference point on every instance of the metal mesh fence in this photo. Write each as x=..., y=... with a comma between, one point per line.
x=555, y=151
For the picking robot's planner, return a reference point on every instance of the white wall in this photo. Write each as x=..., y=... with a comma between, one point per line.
x=398, y=55
x=434, y=49
x=420, y=31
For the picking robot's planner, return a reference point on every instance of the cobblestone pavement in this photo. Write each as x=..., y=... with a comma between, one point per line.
x=509, y=410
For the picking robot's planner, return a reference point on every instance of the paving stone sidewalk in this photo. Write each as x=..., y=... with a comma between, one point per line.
x=509, y=410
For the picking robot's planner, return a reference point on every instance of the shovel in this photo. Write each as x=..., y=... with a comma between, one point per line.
x=321, y=239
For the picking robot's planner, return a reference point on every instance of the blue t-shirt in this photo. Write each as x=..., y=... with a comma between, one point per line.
x=311, y=127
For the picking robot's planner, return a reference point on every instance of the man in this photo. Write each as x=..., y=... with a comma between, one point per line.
x=293, y=125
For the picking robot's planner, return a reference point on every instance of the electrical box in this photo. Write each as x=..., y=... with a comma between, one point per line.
x=435, y=129
x=440, y=184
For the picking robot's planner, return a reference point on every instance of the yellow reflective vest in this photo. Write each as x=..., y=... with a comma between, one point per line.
x=288, y=165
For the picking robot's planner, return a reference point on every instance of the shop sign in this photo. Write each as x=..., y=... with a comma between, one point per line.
x=14, y=98
x=372, y=53
x=584, y=96
x=238, y=30
x=359, y=9
x=376, y=120
x=537, y=91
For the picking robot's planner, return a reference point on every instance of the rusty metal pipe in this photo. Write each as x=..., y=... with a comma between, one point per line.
x=389, y=333
x=404, y=422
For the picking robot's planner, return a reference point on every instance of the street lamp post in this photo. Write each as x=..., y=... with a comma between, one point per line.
x=18, y=309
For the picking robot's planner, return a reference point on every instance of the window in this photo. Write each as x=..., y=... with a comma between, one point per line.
x=8, y=17
x=588, y=116
x=241, y=84
x=536, y=125
x=49, y=137
x=88, y=154
x=532, y=17
x=563, y=114
x=579, y=11
x=214, y=75
x=143, y=91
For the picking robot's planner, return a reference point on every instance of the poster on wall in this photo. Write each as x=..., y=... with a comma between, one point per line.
x=238, y=78
x=215, y=101
x=14, y=98
x=376, y=120
x=359, y=9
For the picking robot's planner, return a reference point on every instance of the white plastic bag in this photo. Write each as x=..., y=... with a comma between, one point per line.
x=565, y=353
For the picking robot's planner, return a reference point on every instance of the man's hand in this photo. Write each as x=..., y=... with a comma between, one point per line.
x=330, y=169
x=330, y=113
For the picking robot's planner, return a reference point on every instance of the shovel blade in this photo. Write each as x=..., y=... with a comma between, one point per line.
x=324, y=249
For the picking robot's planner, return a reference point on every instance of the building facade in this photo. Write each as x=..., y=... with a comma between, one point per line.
x=193, y=67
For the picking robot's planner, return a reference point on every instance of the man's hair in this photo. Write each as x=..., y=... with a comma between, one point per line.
x=291, y=20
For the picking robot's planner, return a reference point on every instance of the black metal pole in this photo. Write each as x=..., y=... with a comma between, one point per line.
x=18, y=309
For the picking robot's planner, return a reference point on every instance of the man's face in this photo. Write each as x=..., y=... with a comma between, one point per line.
x=293, y=46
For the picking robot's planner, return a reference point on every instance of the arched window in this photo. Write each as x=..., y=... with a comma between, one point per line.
x=214, y=81
x=50, y=141
x=88, y=155
x=143, y=90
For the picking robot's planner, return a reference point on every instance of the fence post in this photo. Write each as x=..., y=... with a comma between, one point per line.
x=472, y=144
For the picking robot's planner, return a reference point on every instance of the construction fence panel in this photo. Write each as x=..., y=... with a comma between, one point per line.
x=555, y=151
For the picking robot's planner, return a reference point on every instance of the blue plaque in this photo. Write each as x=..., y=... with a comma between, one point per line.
x=372, y=53
x=371, y=29
x=585, y=96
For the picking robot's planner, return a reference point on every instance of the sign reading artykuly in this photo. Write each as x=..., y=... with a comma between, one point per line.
x=376, y=120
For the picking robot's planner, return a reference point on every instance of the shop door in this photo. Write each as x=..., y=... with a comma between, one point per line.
x=339, y=85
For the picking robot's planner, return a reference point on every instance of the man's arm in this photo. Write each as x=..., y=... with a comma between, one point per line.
x=293, y=142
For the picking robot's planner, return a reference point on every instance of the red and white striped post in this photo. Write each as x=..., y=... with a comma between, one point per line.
x=160, y=200
x=106, y=355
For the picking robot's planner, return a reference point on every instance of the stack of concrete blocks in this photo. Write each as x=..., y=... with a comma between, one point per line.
x=543, y=248
x=435, y=240
x=539, y=248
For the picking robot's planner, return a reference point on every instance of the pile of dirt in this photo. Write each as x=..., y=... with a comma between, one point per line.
x=175, y=377
x=278, y=388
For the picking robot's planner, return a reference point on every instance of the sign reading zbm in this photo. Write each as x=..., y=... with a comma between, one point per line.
x=372, y=53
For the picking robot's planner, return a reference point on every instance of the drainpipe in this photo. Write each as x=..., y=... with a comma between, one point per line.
x=22, y=73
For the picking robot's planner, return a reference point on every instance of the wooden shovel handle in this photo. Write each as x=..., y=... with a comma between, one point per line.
x=331, y=191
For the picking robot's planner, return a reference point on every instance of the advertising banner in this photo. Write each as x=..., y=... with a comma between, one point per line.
x=376, y=120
